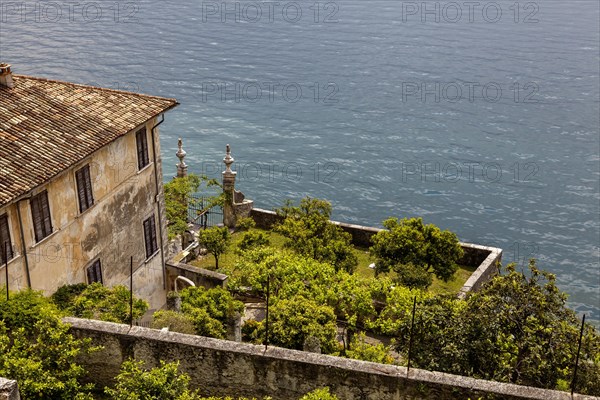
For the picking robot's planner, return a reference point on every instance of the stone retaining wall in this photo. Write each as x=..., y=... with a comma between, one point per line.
x=200, y=276
x=220, y=367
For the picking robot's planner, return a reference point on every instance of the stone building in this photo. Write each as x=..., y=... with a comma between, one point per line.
x=80, y=186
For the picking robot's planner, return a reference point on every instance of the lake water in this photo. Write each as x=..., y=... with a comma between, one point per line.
x=482, y=118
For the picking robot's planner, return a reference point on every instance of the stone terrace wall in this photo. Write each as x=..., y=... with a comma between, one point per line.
x=200, y=276
x=219, y=367
x=9, y=390
x=483, y=258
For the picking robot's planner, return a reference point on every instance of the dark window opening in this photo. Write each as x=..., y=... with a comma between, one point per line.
x=94, y=272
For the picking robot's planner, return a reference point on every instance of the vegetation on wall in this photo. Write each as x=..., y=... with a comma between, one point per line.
x=97, y=301
x=37, y=351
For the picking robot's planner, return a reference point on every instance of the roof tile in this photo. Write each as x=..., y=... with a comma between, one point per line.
x=47, y=126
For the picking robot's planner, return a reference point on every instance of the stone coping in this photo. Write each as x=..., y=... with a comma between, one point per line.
x=416, y=376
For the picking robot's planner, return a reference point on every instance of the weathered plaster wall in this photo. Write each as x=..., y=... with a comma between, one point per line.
x=219, y=367
x=9, y=390
x=111, y=230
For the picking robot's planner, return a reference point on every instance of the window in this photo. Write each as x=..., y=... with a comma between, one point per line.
x=40, y=211
x=150, y=236
x=142, y=148
x=94, y=272
x=84, y=188
x=6, y=252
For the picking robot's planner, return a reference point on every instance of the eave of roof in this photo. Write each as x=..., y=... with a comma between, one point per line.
x=47, y=126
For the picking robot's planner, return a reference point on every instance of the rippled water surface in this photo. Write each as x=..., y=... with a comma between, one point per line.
x=485, y=123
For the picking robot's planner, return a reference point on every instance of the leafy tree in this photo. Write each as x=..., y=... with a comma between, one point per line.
x=289, y=274
x=209, y=309
x=179, y=196
x=361, y=350
x=413, y=249
x=516, y=329
x=310, y=233
x=292, y=321
x=66, y=295
x=37, y=350
x=97, y=301
x=397, y=310
x=253, y=239
x=319, y=394
x=352, y=297
x=163, y=382
x=215, y=239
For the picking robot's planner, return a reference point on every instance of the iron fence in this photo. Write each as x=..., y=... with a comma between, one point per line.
x=201, y=214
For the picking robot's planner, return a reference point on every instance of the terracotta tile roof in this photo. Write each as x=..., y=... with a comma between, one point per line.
x=47, y=126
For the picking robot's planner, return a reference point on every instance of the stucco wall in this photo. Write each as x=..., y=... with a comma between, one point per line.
x=219, y=367
x=111, y=230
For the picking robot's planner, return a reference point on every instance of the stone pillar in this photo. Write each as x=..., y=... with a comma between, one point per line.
x=234, y=327
x=229, y=190
x=182, y=166
x=9, y=390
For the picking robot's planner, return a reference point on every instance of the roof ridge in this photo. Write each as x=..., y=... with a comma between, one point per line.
x=95, y=87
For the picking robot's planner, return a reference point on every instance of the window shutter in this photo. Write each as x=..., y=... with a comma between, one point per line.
x=80, y=190
x=150, y=236
x=40, y=211
x=88, y=187
x=142, y=148
x=37, y=218
x=94, y=272
x=153, y=234
x=46, y=215
x=147, y=237
x=84, y=188
x=6, y=253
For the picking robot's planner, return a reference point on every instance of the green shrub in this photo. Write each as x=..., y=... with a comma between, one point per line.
x=66, y=295
x=209, y=309
x=175, y=321
x=245, y=224
x=310, y=233
x=361, y=350
x=253, y=239
x=106, y=304
x=319, y=394
x=251, y=331
x=413, y=249
x=37, y=350
x=164, y=383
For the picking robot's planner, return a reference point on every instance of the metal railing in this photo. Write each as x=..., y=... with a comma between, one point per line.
x=200, y=213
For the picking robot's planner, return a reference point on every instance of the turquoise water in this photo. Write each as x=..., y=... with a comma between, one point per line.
x=485, y=123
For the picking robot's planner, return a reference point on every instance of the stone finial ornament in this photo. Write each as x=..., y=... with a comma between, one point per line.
x=182, y=166
x=228, y=160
